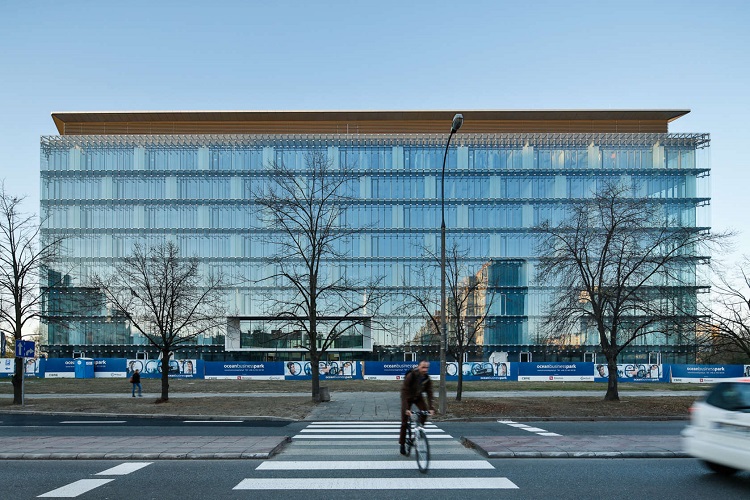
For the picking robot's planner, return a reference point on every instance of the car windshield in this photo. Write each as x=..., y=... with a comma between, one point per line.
x=733, y=396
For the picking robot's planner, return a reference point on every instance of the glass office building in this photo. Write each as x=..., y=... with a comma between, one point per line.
x=110, y=180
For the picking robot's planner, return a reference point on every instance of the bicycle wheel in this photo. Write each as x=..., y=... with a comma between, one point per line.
x=409, y=440
x=422, y=451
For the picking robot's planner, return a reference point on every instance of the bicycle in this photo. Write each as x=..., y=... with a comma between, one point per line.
x=417, y=438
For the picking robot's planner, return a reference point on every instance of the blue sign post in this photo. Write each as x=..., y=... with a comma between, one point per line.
x=24, y=349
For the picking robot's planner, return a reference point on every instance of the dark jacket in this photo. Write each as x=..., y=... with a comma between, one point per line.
x=136, y=378
x=412, y=389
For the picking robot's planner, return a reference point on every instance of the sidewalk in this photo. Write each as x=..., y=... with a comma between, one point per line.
x=346, y=406
x=140, y=447
x=620, y=446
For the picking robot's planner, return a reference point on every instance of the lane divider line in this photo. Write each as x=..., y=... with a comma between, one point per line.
x=124, y=469
x=528, y=428
x=99, y=422
x=212, y=421
x=76, y=488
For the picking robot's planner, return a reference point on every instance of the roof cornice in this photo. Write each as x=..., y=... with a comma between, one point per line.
x=406, y=121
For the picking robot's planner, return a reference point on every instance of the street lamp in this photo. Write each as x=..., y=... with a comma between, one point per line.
x=458, y=120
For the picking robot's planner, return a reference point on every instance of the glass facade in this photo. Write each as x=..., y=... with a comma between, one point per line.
x=106, y=193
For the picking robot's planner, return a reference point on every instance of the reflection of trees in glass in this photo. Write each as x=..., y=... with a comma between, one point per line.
x=625, y=264
x=24, y=260
x=725, y=325
x=166, y=298
x=469, y=301
x=303, y=220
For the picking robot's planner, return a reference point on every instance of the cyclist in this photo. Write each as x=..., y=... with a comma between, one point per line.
x=416, y=383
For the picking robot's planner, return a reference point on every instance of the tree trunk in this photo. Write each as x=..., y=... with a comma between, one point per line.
x=460, y=385
x=18, y=382
x=612, y=393
x=315, y=374
x=164, y=376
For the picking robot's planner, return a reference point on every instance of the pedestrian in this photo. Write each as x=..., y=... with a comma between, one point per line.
x=136, y=381
x=416, y=390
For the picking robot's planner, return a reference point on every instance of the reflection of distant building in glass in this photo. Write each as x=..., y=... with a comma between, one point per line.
x=499, y=290
x=504, y=295
x=427, y=334
x=74, y=314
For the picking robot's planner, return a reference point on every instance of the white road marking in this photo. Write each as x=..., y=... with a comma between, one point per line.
x=377, y=483
x=124, y=469
x=93, y=421
x=213, y=421
x=361, y=430
x=535, y=430
x=72, y=490
x=362, y=436
x=343, y=431
x=350, y=422
x=371, y=465
x=368, y=426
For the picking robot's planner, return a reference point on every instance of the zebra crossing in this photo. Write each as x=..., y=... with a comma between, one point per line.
x=348, y=455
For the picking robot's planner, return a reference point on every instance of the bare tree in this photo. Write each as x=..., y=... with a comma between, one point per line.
x=305, y=214
x=623, y=267
x=726, y=322
x=166, y=298
x=23, y=260
x=468, y=304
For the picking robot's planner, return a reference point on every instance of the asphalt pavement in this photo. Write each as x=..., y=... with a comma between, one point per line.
x=343, y=406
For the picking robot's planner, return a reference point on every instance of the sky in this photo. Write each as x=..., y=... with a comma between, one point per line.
x=82, y=55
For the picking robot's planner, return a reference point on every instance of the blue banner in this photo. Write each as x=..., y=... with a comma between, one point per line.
x=178, y=368
x=60, y=368
x=554, y=372
x=479, y=370
x=632, y=372
x=395, y=370
x=239, y=370
x=329, y=370
x=7, y=367
x=34, y=367
x=701, y=374
x=110, y=367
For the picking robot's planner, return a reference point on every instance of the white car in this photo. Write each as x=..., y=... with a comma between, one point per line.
x=719, y=430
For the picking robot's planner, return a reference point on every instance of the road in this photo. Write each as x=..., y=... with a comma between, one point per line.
x=539, y=478
x=352, y=460
x=12, y=425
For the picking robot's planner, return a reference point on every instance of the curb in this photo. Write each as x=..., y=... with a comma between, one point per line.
x=134, y=456
x=149, y=415
x=663, y=418
x=469, y=443
x=582, y=454
x=262, y=455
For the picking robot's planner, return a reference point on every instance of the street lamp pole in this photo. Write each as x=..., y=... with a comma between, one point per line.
x=458, y=120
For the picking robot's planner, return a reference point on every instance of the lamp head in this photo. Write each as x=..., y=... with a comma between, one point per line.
x=458, y=120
